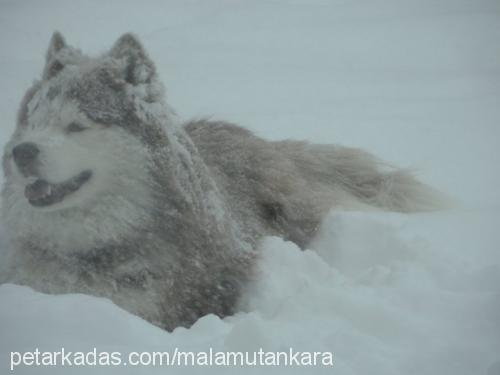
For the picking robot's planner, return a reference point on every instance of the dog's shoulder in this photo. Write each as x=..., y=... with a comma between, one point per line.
x=206, y=130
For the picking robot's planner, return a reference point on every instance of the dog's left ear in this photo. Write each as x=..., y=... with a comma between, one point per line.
x=52, y=65
x=56, y=44
x=138, y=66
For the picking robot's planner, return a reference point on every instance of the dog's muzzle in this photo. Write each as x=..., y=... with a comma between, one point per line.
x=42, y=193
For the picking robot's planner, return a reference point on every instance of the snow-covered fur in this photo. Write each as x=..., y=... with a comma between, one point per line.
x=106, y=194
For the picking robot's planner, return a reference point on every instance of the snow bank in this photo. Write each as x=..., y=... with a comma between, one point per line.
x=386, y=293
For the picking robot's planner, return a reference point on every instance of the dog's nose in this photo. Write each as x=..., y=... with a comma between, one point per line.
x=25, y=153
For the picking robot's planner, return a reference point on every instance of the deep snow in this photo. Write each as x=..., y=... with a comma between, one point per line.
x=416, y=82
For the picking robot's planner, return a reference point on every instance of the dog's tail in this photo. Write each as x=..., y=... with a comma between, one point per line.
x=364, y=177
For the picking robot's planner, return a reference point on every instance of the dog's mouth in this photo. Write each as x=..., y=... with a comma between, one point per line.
x=42, y=193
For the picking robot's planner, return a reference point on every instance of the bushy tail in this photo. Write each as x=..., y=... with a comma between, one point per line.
x=400, y=191
x=364, y=177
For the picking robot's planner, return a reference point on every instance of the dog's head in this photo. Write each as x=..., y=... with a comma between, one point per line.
x=84, y=137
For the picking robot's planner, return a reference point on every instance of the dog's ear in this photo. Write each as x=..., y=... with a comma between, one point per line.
x=52, y=64
x=56, y=44
x=138, y=66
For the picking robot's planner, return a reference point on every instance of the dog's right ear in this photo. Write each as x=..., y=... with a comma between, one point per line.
x=52, y=64
x=138, y=68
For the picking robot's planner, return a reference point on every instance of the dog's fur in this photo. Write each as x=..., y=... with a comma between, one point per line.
x=168, y=223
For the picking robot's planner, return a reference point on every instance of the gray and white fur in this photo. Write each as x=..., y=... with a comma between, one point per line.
x=106, y=194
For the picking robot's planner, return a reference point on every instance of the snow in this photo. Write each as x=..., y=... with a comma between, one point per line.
x=415, y=82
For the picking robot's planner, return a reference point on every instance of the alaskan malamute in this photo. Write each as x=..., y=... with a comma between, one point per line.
x=106, y=194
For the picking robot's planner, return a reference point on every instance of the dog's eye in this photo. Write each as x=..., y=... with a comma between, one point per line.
x=75, y=127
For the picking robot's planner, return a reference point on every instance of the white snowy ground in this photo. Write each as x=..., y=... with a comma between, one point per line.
x=416, y=82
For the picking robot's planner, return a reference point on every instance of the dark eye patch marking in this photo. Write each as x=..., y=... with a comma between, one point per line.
x=75, y=127
x=102, y=96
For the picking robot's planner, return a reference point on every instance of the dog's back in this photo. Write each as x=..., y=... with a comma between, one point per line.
x=286, y=188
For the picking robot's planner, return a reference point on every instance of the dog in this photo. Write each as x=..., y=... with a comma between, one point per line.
x=107, y=194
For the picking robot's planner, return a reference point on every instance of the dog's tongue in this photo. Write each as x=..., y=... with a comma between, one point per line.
x=37, y=190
